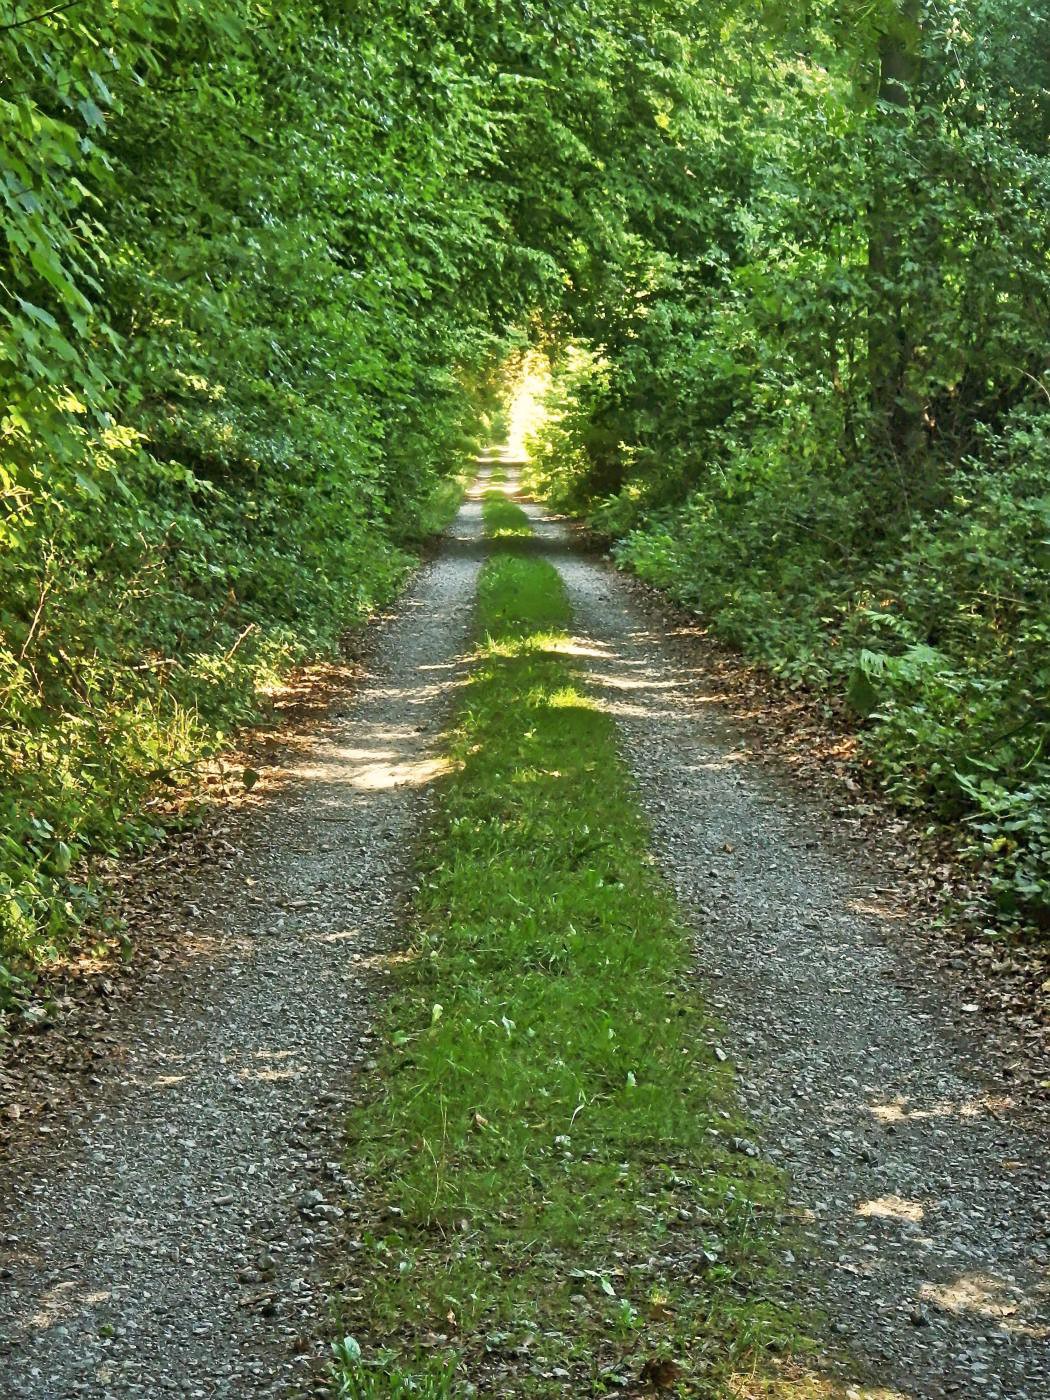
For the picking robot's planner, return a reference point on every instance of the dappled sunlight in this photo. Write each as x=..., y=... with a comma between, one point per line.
x=393, y=757
x=624, y=709
x=628, y=688
x=573, y=646
x=722, y=764
x=385, y=962
x=535, y=775
x=982, y=1295
x=892, y=1208
x=269, y=926
x=63, y=1301
x=894, y=1230
x=876, y=909
x=348, y=935
x=795, y=1380
x=501, y=459
x=168, y=1081
x=440, y=667
x=629, y=683
x=264, y=1066
x=485, y=488
x=378, y=757
x=376, y=775
x=271, y=1076
x=620, y=707
x=901, y=1110
x=570, y=699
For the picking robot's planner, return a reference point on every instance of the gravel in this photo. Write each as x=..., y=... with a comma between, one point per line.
x=172, y=1233
x=169, y=1236
x=924, y=1200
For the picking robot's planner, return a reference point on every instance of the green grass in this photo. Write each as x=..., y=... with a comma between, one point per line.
x=504, y=519
x=439, y=509
x=551, y=1192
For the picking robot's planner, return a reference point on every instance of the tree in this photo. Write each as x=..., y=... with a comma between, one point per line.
x=894, y=401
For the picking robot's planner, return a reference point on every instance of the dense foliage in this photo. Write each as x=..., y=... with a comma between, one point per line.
x=820, y=416
x=259, y=267
x=223, y=401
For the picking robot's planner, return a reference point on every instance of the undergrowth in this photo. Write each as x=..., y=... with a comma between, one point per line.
x=931, y=624
x=559, y=1195
x=101, y=752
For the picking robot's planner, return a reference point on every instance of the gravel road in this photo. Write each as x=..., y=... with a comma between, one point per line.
x=169, y=1238
x=927, y=1206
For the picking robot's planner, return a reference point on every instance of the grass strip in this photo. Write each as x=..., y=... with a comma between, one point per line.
x=556, y=1194
x=504, y=519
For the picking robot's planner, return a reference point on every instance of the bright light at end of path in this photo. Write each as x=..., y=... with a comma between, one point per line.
x=527, y=404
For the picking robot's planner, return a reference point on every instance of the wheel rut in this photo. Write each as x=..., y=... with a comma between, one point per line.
x=169, y=1237
x=925, y=1202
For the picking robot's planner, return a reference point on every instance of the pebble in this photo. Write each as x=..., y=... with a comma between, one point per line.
x=853, y=1077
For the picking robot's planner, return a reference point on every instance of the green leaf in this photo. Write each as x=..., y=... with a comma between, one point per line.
x=37, y=313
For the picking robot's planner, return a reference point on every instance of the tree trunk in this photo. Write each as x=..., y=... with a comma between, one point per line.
x=889, y=342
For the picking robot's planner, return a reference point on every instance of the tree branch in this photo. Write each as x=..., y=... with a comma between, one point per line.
x=44, y=14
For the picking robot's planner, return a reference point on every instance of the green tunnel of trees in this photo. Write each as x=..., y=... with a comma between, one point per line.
x=261, y=270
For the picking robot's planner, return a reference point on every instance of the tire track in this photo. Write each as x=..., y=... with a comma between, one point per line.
x=170, y=1239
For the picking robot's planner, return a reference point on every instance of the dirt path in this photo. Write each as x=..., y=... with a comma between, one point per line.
x=166, y=1242
x=169, y=1240
x=929, y=1207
